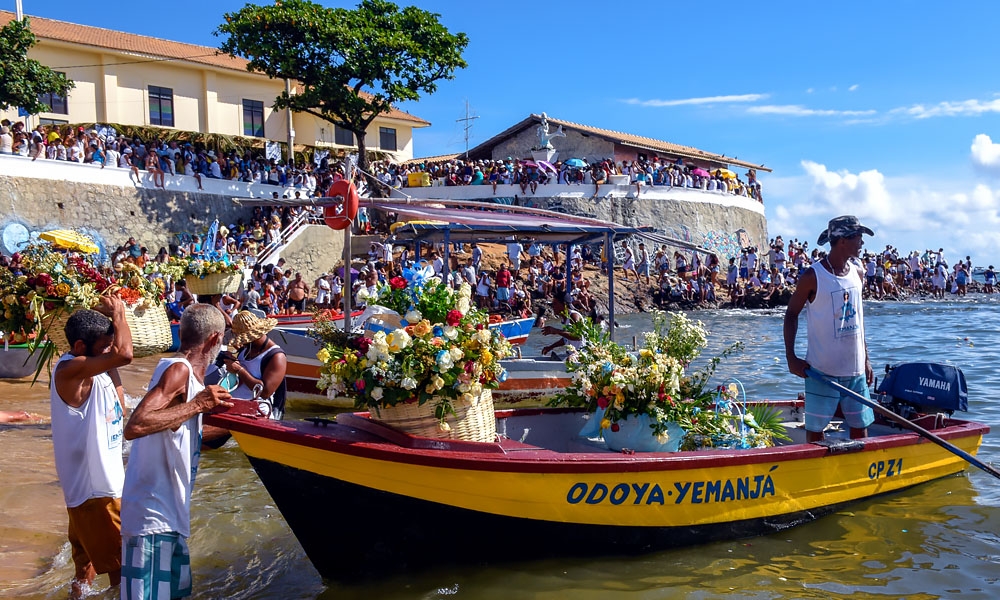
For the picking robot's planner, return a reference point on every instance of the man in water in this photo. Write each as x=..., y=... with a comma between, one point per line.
x=87, y=401
x=166, y=427
x=836, y=332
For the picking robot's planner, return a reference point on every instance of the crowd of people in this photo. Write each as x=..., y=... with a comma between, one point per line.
x=160, y=158
x=528, y=175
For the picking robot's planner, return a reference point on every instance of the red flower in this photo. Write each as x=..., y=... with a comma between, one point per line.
x=453, y=318
x=602, y=402
x=615, y=427
x=43, y=279
x=362, y=344
x=397, y=283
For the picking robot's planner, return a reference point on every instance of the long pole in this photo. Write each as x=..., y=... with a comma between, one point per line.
x=19, y=11
x=885, y=412
x=609, y=255
x=290, y=160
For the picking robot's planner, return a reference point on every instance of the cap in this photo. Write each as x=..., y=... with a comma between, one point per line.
x=844, y=226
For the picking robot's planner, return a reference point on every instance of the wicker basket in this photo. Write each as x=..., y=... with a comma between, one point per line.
x=469, y=423
x=54, y=324
x=150, y=330
x=215, y=283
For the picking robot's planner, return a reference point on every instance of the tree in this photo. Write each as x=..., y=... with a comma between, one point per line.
x=351, y=65
x=23, y=80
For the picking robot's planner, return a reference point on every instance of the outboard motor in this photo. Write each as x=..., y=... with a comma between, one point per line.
x=923, y=388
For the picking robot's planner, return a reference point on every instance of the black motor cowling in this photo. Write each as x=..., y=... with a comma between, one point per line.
x=925, y=388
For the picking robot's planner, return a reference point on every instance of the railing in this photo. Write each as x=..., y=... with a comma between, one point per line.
x=305, y=217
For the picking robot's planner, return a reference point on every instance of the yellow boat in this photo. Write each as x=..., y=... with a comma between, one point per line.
x=363, y=498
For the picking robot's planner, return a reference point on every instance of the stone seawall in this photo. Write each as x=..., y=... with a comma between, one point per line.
x=108, y=213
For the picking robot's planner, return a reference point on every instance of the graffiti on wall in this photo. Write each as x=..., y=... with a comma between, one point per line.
x=16, y=234
x=723, y=244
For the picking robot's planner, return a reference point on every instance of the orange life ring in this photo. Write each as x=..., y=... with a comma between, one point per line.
x=341, y=217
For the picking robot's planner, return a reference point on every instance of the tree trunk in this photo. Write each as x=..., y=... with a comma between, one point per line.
x=374, y=185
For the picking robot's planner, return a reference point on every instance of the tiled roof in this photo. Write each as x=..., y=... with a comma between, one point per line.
x=121, y=41
x=433, y=159
x=626, y=139
x=393, y=113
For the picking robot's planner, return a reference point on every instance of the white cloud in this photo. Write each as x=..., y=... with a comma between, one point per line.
x=694, y=101
x=985, y=153
x=964, y=108
x=797, y=110
x=909, y=212
x=853, y=88
x=810, y=90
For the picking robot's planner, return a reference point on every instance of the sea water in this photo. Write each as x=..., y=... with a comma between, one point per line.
x=938, y=540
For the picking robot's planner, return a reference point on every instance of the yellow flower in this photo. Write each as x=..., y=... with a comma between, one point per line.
x=605, y=423
x=62, y=290
x=323, y=355
x=422, y=328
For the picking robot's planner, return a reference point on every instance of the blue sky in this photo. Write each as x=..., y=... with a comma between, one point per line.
x=884, y=110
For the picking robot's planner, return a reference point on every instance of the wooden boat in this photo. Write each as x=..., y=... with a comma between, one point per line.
x=16, y=361
x=527, y=378
x=542, y=491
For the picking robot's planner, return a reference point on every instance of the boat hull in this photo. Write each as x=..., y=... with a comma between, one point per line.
x=17, y=362
x=487, y=502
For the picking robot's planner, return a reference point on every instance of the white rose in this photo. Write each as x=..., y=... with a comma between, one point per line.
x=463, y=305
x=377, y=393
x=408, y=383
x=413, y=317
x=450, y=332
x=484, y=335
x=456, y=353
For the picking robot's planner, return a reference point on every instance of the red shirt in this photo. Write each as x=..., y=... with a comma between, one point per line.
x=503, y=278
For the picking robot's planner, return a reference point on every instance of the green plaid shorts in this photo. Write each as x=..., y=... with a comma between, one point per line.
x=155, y=567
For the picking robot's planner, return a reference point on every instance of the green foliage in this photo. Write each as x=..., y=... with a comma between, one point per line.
x=351, y=65
x=23, y=80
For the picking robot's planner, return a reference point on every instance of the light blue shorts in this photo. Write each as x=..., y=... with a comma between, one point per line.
x=503, y=294
x=155, y=567
x=822, y=401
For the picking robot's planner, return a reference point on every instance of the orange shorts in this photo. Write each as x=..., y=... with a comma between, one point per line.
x=95, y=535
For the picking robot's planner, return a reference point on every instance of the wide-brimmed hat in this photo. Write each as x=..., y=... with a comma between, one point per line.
x=841, y=227
x=247, y=327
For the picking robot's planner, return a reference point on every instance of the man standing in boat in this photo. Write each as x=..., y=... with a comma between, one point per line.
x=831, y=290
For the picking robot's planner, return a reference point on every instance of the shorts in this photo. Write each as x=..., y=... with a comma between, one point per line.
x=743, y=272
x=503, y=294
x=643, y=269
x=155, y=567
x=95, y=535
x=822, y=401
x=300, y=305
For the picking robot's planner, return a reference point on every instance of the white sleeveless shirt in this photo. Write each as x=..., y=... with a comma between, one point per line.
x=255, y=366
x=88, y=442
x=161, y=471
x=835, y=321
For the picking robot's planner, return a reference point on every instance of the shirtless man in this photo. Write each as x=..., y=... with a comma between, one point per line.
x=298, y=291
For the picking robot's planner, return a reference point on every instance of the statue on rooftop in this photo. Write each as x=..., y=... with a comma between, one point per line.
x=545, y=136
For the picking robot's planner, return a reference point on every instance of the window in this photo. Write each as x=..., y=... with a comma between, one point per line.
x=55, y=102
x=387, y=138
x=161, y=106
x=253, y=118
x=342, y=137
x=52, y=122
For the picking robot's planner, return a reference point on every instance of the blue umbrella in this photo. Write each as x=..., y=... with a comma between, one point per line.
x=576, y=162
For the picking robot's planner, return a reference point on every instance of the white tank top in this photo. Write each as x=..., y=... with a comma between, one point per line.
x=161, y=471
x=254, y=366
x=88, y=442
x=835, y=320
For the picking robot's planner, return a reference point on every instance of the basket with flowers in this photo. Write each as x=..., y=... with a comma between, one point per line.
x=42, y=287
x=646, y=400
x=433, y=376
x=205, y=275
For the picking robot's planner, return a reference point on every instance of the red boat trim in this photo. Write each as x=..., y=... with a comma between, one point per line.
x=531, y=459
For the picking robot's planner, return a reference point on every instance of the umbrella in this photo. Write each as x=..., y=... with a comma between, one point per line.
x=547, y=165
x=576, y=162
x=699, y=172
x=725, y=173
x=70, y=240
x=529, y=163
x=340, y=272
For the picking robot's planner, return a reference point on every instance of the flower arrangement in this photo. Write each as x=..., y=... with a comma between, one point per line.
x=42, y=281
x=653, y=386
x=444, y=353
x=199, y=266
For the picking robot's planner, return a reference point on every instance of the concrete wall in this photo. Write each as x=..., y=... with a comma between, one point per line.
x=314, y=251
x=104, y=203
x=574, y=145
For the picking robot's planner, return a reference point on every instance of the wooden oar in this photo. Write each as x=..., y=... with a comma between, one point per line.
x=885, y=412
